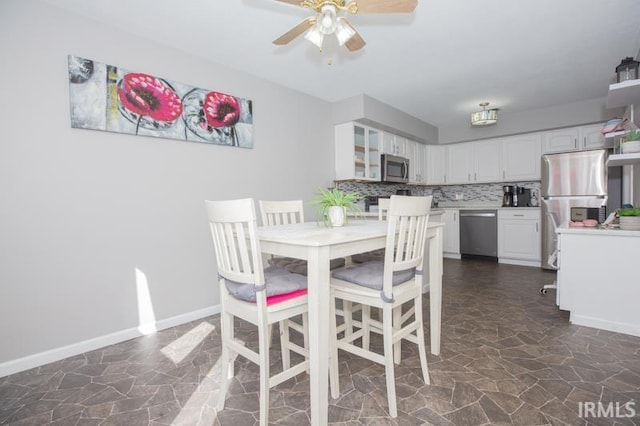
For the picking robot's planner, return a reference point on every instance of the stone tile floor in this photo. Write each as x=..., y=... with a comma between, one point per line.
x=509, y=356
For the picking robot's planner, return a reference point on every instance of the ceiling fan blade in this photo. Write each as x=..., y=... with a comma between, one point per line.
x=295, y=31
x=356, y=42
x=384, y=6
x=294, y=2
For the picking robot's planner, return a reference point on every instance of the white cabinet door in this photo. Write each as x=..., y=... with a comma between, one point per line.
x=591, y=137
x=487, y=157
x=561, y=140
x=421, y=166
x=415, y=152
x=521, y=157
x=436, y=163
x=459, y=162
x=451, y=243
x=394, y=144
x=357, y=152
x=519, y=236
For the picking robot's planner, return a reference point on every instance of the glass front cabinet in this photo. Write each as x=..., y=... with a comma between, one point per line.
x=358, y=149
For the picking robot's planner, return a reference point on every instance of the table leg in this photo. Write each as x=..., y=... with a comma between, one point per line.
x=435, y=289
x=318, y=296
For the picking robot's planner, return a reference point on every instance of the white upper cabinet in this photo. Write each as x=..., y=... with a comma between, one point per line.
x=574, y=139
x=592, y=137
x=560, y=140
x=459, y=163
x=521, y=157
x=436, y=164
x=416, y=153
x=394, y=144
x=487, y=158
x=357, y=152
x=474, y=162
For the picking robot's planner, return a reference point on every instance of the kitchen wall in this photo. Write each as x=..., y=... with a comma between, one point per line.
x=511, y=123
x=487, y=193
x=91, y=222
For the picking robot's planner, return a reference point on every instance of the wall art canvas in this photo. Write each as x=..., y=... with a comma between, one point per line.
x=105, y=97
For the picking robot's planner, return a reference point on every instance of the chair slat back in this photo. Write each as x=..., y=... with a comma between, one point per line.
x=281, y=212
x=407, y=220
x=233, y=229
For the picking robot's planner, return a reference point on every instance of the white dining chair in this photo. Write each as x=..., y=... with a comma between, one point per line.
x=259, y=296
x=283, y=213
x=388, y=285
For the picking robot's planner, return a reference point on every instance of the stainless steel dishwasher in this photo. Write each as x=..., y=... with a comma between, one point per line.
x=479, y=233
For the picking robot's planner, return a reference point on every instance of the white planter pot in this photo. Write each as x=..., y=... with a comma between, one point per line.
x=630, y=146
x=336, y=216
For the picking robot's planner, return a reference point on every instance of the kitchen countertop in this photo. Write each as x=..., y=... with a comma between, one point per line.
x=434, y=211
x=478, y=206
x=599, y=231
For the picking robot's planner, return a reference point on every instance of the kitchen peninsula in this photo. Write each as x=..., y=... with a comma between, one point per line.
x=598, y=278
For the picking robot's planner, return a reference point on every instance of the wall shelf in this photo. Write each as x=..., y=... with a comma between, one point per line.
x=623, y=94
x=624, y=159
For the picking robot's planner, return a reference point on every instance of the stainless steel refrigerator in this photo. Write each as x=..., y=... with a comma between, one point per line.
x=570, y=179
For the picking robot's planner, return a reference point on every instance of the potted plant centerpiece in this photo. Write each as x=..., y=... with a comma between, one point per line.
x=333, y=205
x=631, y=142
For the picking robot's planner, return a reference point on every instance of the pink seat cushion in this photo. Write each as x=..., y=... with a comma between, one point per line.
x=272, y=300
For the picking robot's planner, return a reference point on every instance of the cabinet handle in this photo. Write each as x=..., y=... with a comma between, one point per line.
x=503, y=174
x=475, y=177
x=468, y=177
x=536, y=226
x=519, y=215
x=575, y=142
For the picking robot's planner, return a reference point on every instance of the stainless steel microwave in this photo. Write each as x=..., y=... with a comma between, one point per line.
x=395, y=169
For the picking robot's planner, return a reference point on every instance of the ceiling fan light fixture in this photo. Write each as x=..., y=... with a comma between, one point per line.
x=315, y=36
x=344, y=32
x=485, y=117
x=327, y=20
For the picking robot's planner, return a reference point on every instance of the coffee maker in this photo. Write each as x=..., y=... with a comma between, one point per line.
x=507, y=197
x=523, y=196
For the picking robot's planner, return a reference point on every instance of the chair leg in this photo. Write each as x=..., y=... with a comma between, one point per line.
x=387, y=335
x=284, y=343
x=422, y=349
x=366, y=326
x=226, y=361
x=347, y=312
x=397, y=325
x=263, y=337
x=334, y=374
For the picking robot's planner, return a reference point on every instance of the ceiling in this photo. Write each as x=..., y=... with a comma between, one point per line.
x=436, y=64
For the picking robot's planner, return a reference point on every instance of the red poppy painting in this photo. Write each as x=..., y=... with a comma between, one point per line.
x=104, y=97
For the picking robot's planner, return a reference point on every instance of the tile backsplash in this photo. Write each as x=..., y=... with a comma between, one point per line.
x=480, y=193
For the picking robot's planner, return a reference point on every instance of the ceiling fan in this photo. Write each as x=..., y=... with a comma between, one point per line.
x=329, y=19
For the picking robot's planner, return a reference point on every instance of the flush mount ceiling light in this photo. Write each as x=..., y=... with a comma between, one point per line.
x=485, y=117
x=327, y=21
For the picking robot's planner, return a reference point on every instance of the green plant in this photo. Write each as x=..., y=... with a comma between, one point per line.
x=328, y=198
x=633, y=135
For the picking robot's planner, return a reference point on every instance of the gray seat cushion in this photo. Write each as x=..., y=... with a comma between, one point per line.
x=368, y=256
x=277, y=281
x=299, y=266
x=370, y=274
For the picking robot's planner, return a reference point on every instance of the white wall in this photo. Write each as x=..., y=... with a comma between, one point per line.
x=81, y=210
x=370, y=111
x=568, y=115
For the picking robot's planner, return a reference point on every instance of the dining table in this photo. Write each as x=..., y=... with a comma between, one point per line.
x=318, y=244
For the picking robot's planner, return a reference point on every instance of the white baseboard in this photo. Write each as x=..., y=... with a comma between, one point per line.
x=46, y=357
x=602, y=324
x=452, y=255
x=520, y=262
